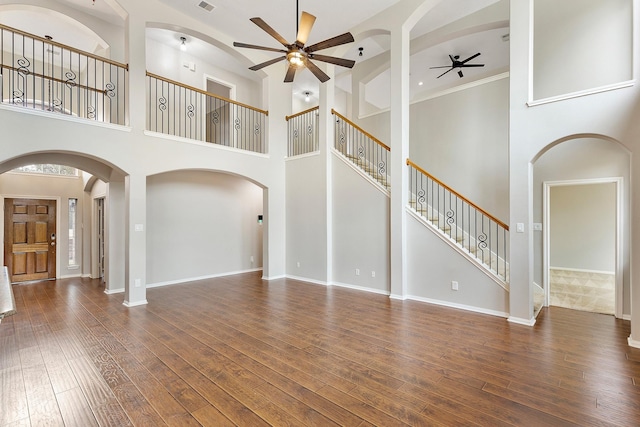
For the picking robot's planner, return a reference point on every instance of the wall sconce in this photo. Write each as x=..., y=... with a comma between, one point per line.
x=183, y=44
x=307, y=96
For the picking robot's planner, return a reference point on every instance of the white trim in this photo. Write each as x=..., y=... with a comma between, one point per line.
x=86, y=276
x=114, y=291
x=581, y=270
x=369, y=178
x=459, y=306
x=521, y=321
x=70, y=276
x=398, y=297
x=64, y=117
x=465, y=254
x=306, y=279
x=360, y=288
x=578, y=94
x=546, y=212
x=203, y=144
x=633, y=343
x=626, y=317
x=135, y=304
x=280, y=276
x=475, y=83
x=302, y=156
x=195, y=279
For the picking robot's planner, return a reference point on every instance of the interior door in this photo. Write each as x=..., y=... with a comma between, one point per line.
x=30, y=239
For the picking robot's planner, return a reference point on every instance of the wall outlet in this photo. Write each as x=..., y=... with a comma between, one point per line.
x=373, y=274
x=454, y=285
x=357, y=271
x=137, y=283
x=298, y=264
x=251, y=258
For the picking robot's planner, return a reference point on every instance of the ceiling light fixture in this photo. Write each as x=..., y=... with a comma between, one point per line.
x=307, y=96
x=296, y=59
x=360, y=50
x=183, y=44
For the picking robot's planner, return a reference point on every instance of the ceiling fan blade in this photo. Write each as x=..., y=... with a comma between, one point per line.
x=460, y=73
x=348, y=63
x=317, y=71
x=291, y=73
x=452, y=58
x=306, y=23
x=472, y=65
x=470, y=58
x=444, y=73
x=253, y=46
x=334, y=41
x=267, y=63
x=273, y=33
x=443, y=66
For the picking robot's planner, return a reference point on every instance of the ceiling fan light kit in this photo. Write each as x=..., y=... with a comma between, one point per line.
x=296, y=54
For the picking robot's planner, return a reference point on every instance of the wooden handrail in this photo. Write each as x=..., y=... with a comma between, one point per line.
x=427, y=174
x=65, y=47
x=287, y=118
x=376, y=140
x=204, y=92
x=42, y=76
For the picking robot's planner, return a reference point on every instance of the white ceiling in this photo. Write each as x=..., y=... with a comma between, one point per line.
x=333, y=17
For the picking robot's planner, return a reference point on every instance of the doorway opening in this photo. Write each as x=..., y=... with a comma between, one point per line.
x=219, y=120
x=582, y=245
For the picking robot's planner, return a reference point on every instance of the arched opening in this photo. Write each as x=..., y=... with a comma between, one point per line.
x=581, y=205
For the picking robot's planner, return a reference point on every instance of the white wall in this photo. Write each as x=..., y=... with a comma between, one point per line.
x=166, y=61
x=361, y=218
x=580, y=44
x=201, y=224
x=46, y=186
x=583, y=227
x=431, y=266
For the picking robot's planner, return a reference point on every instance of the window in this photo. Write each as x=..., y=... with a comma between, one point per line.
x=73, y=204
x=48, y=169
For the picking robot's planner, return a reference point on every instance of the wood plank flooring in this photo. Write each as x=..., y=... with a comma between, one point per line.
x=242, y=351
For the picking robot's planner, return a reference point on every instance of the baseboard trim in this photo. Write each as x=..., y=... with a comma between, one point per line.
x=633, y=343
x=86, y=276
x=459, y=306
x=134, y=304
x=360, y=288
x=521, y=321
x=398, y=297
x=626, y=317
x=195, y=279
x=70, y=276
x=307, y=280
x=114, y=291
x=581, y=270
x=281, y=276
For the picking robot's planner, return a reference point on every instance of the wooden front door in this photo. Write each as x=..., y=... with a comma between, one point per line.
x=30, y=239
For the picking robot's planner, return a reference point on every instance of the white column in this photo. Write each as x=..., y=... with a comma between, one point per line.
x=399, y=152
x=114, y=230
x=278, y=96
x=135, y=240
x=326, y=136
x=520, y=170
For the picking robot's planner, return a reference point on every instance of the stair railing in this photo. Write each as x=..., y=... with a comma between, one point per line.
x=363, y=149
x=480, y=234
x=39, y=73
x=180, y=110
x=302, y=132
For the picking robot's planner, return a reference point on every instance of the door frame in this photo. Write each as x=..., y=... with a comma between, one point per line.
x=232, y=96
x=95, y=251
x=57, y=199
x=546, y=247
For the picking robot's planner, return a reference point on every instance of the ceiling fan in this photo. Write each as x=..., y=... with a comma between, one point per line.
x=455, y=63
x=297, y=55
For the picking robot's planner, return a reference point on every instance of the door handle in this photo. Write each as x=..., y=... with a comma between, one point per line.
x=53, y=243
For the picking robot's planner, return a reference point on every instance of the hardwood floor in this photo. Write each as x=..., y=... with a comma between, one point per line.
x=240, y=351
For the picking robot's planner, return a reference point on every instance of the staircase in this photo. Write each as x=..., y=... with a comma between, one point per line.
x=470, y=229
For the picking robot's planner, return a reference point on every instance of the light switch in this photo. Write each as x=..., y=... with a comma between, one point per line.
x=520, y=227
x=139, y=227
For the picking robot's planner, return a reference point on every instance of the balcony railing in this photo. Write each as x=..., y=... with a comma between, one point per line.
x=180, y=110
x=364, y=150
x=39, y=73
x=302, y=129
x=480, y=234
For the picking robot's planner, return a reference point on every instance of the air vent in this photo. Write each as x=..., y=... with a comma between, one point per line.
x=206, y=6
